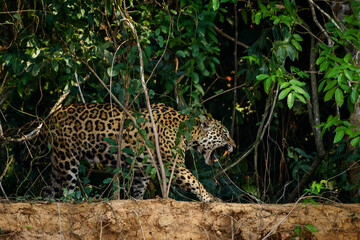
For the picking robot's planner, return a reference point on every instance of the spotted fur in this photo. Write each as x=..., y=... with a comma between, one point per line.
x=82, y=131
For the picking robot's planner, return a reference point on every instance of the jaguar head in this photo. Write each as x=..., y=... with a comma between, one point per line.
x=213, y=136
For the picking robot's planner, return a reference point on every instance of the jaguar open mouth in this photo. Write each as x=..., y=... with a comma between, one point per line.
x=218, y=152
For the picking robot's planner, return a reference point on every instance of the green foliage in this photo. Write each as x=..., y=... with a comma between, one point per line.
x=301, y=162
x=308, y=227
x=45, y=51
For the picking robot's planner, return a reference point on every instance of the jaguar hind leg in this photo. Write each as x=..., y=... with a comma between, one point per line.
x=139, y=185
x=64, y=175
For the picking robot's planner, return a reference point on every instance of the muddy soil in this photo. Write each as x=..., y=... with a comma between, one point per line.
x=169, y=219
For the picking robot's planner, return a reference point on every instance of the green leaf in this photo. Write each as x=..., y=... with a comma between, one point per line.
x=355, y=141
x=320, y=60
x=261, y=77
x=284, y=85
x=290, y=51
x=354, y=94
x=321, y=85
x=324, y=66
x=195, y=77
x=110, y=141
x=107, y=180
x=268, y=84
x=112, y=72
x=180, y=53
x=281, y=53
x=143, y=133
x=128, y=151
x=257, y=18
x=348, y=75
x=311, y=228
x=215, y=4
x=329, y=94
x=150, y=144
x=339, y=97
x=296, y=44
x=297, y=37
x=148, y=169
x=284, y=93
x=153, y=172
x=347, y=57
x=297, y=83
x=339, y=135
x=300, y=91
x=290, y=100
x=55, y=65
x=244, y=15
x=330, y=84
x=332, y=73
x=199, y=88
x=301, y=98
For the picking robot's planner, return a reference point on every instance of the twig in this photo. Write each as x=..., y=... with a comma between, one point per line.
x=130, y=116
x=36, y=131
x=4, y=172
x=314, y=113
x=263, y=133
x=259, y=136
x=78, y=84
x=282, y=220
x=116, y=219
x=349, y=168
x=118, y=160
x=246, y=193
x=235, y=75
x=232, y=228
x=143, y=83
x=166, y=46
x=172, y=173
x=59, y=218
x=330, y=41
x=229, y=37
x=223, y=92
x=141, y=228
x=326, y=14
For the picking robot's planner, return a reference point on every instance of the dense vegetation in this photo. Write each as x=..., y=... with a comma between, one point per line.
x=282, y=75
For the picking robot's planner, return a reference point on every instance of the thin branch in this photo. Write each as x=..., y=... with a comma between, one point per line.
x=314, y=118
x=78, y=84
x=36, y=131
x=166, y=46
x=263, y=132
x=116, y=218
x=330, y=41
x=229, y=37
x=326, y=14
x=236, y=70
x=143, y=83
x=283, y=219
x=4, y=172
x=130, y=116
x=59, y=218
x=221, y=93
x=141, y=228
x=259, y=136
x=234, y=184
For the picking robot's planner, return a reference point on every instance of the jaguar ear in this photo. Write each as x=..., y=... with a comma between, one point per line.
x=205, y=122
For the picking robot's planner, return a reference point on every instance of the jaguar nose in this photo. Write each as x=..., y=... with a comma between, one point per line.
x=231, y=145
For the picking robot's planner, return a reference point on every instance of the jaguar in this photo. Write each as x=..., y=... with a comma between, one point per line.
x=91, y=132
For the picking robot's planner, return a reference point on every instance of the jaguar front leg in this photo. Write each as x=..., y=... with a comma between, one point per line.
x=184, y=179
